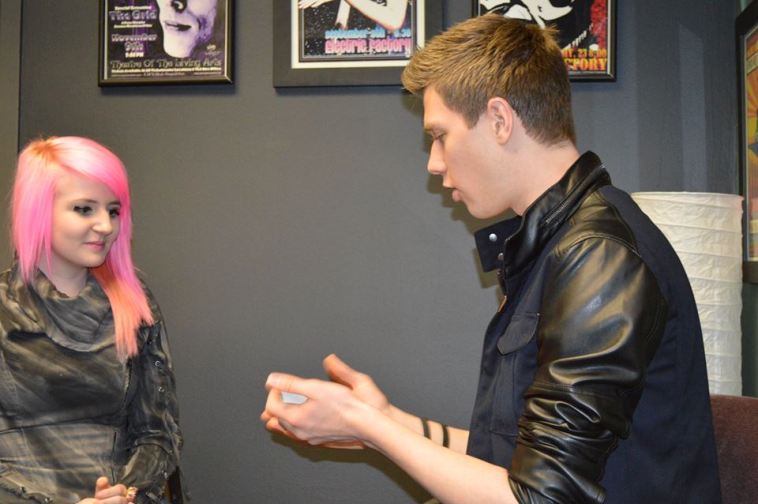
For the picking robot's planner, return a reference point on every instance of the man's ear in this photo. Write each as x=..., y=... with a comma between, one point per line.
x=501, y=117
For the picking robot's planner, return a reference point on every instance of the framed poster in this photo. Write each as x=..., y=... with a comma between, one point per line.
x=586, y=30
x=165, y=42
x=747, y=67
x=349, y=42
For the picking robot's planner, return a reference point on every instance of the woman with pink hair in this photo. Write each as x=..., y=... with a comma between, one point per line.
x=87, y=395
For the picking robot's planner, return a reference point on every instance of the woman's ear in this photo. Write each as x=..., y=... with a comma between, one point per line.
x=501, y=117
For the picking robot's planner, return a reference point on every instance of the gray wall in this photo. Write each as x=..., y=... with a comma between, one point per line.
x=10, y=62
x=276, y=227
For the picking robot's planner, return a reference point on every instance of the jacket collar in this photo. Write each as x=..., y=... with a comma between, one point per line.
x=83, y=323
x=513, y=244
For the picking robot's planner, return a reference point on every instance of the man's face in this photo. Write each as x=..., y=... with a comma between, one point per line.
x=186, y=24
x=467, y=159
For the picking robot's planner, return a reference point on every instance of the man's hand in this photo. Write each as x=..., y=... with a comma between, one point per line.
x=361, y=384
x=332, y=410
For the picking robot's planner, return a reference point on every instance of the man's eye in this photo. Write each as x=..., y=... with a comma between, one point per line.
x=83, y=209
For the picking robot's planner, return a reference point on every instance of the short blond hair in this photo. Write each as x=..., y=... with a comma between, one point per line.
x=494, y=56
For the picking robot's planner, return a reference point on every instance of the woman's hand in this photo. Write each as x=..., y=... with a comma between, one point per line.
x=107, y=494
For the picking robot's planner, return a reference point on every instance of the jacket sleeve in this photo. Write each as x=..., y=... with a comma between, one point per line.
x=602, y=319
x=154, y=437
x=21, y=495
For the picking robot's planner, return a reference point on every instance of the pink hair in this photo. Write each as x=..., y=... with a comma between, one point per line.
x=40, y=165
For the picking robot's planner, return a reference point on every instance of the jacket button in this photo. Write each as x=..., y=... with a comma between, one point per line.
x=500, y=256
x=158, y=364
x=493, y=237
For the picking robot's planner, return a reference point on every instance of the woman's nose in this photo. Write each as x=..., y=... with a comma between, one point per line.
x=103, y=224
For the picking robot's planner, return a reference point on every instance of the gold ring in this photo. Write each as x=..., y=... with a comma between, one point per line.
x=131, y=493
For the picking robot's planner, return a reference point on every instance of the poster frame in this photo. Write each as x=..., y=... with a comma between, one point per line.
x=575, y=58
x=746, y=28
x=107, y=50
x=291, y=73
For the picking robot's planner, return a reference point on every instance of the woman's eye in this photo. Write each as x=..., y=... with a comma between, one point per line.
x=83, y=209
x=114, y=212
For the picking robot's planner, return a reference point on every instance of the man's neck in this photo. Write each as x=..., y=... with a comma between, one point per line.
x=542, y=167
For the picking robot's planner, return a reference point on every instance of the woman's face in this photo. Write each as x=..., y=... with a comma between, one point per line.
x=85, y=224
x=186, y=24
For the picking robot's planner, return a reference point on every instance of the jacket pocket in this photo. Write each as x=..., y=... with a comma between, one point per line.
x=515, y=372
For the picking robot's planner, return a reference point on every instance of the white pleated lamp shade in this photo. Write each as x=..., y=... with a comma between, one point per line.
x=705, y=230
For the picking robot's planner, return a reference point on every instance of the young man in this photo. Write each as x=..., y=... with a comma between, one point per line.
x=593, y=384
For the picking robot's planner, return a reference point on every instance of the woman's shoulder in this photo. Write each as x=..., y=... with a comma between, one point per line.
x=8, y=275
x=5, y=283
x=16, y=307
x=10, y=284
x=152, y=302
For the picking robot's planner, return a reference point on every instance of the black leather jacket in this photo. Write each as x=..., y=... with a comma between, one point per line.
x=573, y=361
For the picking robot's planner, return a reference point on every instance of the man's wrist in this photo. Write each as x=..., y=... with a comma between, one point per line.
x=367, y=423
x=404, y=418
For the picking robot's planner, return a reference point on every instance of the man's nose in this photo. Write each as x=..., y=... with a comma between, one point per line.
x=436, y=164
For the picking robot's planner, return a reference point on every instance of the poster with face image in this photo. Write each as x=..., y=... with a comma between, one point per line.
x=750, y=127
x=586, y=30
x=165, y=41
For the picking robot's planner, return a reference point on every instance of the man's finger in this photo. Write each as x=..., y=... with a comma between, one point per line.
x=274, y=426
x=274, y=404
x=288, y=383
x=340, y=372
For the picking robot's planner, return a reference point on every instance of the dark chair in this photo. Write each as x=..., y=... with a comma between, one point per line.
x=735, y=421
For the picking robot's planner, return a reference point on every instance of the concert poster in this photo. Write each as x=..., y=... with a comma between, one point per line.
x=165, y=42
x=586, y=30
